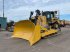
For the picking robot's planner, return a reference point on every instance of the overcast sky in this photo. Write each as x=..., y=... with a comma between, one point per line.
x=20, y=9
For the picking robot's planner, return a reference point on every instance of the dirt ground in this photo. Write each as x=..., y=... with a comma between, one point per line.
x=59, y=43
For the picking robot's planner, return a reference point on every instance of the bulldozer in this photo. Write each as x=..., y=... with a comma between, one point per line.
x=36, y=27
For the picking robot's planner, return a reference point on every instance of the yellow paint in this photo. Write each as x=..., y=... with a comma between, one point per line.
x=27, y=30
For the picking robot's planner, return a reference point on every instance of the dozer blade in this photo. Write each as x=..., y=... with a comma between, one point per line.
x=25, y=29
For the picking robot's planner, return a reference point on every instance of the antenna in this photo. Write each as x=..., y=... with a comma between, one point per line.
x=58, y=14
x=3, y=8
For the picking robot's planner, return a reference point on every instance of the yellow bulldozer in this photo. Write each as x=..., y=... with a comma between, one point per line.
x=41, y=25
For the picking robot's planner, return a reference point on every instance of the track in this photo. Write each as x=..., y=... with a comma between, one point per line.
x=59, y=43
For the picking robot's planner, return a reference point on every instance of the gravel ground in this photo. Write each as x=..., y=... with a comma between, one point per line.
x=59, y=43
